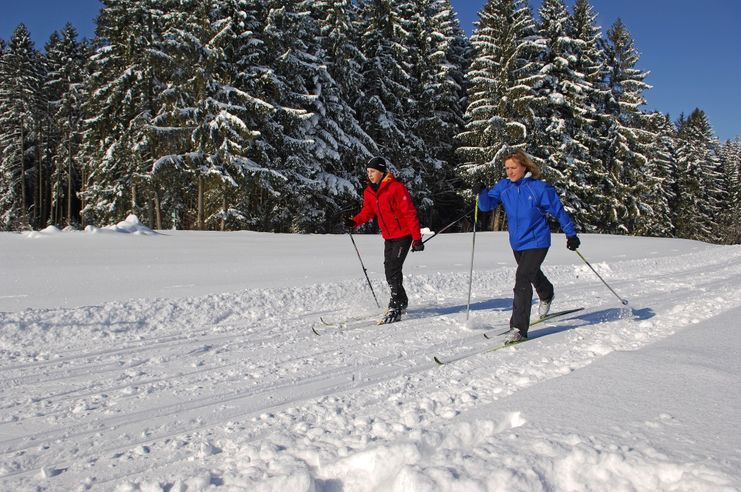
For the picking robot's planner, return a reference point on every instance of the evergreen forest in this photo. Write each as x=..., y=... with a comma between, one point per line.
x=262, y=114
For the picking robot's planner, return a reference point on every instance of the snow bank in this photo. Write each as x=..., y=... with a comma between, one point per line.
x=129, y=226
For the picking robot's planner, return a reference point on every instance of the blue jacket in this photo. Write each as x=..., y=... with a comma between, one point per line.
x=526, y=203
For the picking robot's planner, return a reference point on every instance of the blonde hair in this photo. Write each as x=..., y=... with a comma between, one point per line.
x=524, y=160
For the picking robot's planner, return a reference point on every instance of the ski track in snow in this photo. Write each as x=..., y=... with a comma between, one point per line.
x=241, y=382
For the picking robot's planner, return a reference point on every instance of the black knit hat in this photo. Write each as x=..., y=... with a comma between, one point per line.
x=378, y=163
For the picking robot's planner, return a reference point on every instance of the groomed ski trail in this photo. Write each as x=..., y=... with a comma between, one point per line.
x=232, y=382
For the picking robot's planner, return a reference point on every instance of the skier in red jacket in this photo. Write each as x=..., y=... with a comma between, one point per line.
x=388, y=200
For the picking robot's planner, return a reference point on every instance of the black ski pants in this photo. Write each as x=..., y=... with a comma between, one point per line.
x=528, y=275
x=394, y=253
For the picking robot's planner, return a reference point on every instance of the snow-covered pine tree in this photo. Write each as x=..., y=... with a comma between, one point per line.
x=340, y=146
x=21, y=77
x=207, y=118
x=437, y=51
x=291, y=78
x=627, y=140
x=731, y=156
x=703, y=189
x=340, y=38
x=51, y=132
x=175, y=164
x=384, y=105
x=501, y=82
x=66, y=59
x=565, y=109
x=124, y=96
x=658, y=216
x=179, y=168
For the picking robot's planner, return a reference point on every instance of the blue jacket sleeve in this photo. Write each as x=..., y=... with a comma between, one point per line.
x=490, y=198
x=552, y=204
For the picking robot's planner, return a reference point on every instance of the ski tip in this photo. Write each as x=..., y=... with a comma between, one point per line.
x=439, y=362
x=315, y=332
x=486, y=335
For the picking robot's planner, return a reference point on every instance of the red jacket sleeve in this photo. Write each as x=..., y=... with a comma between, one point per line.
x=368, y=211
x=408, y=212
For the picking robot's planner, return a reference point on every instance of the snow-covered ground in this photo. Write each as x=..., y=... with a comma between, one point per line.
x=187, y=361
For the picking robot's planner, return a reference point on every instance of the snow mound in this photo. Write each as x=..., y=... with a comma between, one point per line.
x=49, y=231
x=129, y=226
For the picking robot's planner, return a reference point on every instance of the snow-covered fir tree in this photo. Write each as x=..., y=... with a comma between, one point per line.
x=125, y=87
x=329, y=175
x=339, y=41
x=51, y=133
x=658, y=217
x=65, y=88
x=702, y=182
x=21, y=104
x=731, y=156
x=587, y=60
x=203, y=164
x=564, y=111
x=437, y=50
x=339, y=38
x=384, y=105
x=501, y=87
x=176, y=168
x=626, y=138
x=501, y=83
x=292, y=81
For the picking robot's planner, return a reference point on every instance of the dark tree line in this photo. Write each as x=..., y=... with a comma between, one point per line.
x=261, y=115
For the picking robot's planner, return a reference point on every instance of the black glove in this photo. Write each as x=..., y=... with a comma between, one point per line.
x=478, y=188
x=418, y=245
x=572, y=242
x=349, y=223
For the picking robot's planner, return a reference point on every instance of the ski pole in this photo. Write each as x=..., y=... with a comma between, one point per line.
x=364, y=269
x=473, y=248
x=341, y=212
x=624, y=301
x=447, y=226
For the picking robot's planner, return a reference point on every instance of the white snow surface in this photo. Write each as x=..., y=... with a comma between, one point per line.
x=186, y=361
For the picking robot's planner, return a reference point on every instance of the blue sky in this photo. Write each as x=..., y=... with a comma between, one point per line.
x=692, y=48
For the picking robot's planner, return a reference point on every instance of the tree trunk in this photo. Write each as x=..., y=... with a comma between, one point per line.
x=69, y=172
x=497, y=224
x=24, y=208
x=38, y=196
x=83, y=188
x=224, y=207
x=200, y=203
x=157, y=211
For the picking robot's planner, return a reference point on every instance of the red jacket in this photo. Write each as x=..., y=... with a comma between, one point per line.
x=392, y=206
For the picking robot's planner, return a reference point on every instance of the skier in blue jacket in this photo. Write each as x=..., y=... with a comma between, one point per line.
x=527, y=200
